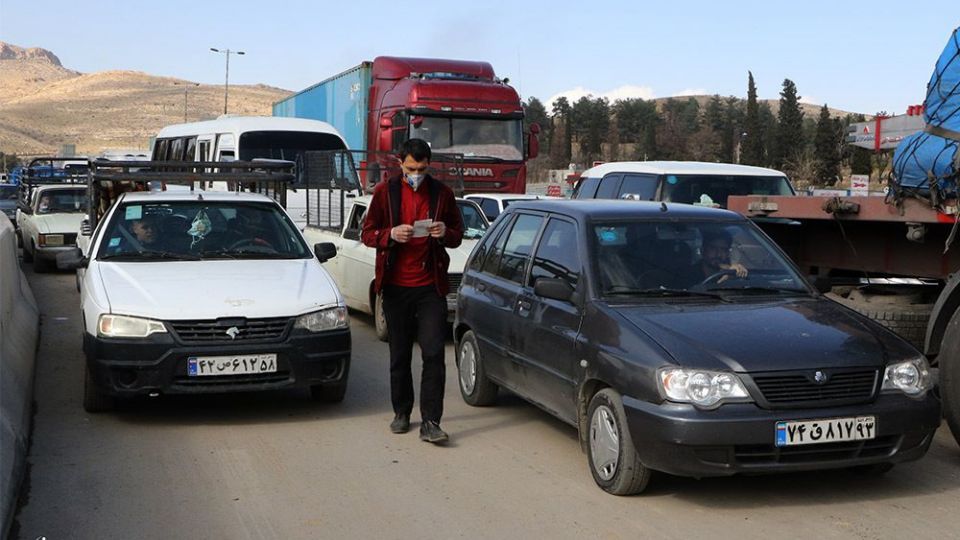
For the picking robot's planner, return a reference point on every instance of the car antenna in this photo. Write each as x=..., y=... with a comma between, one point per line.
x=199, y=196
x=663, y=206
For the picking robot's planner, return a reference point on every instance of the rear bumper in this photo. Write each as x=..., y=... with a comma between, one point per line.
x=739, y=438
x=124, y=367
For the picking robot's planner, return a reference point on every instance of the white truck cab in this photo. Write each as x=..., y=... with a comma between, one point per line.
x=198, y=291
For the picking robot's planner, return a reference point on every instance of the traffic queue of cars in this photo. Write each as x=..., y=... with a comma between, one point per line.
x=673, y=337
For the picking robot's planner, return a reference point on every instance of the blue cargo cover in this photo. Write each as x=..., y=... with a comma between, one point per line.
x=931, y=158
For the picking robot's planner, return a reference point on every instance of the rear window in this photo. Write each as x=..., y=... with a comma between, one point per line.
x=713, y=190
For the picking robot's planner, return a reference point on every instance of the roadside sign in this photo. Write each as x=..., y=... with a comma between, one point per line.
x=859, y=184
x=553, y=190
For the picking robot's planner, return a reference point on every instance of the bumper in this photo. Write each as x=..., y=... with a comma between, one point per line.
x=739, y=438
x=127, y=368
x=50, y=252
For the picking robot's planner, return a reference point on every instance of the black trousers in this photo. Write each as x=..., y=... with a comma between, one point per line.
x=416, y=314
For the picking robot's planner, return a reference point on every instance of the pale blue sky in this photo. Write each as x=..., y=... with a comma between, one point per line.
x=861, y=56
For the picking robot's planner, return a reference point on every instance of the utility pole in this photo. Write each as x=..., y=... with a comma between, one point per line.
x=226, y=80
x=185, y=86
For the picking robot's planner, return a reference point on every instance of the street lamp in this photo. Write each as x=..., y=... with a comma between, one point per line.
x=185, y=86
x=226, y=81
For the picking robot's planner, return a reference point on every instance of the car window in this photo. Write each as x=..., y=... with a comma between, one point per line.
x=491, y=243
x=713, y=190
x=62, y=201
x=517, y=249
x=587, y=188
x=557, y=254
x=608, y=187
x=492, y=260
x=641, y=186
x=489, y=207
x=474, y=224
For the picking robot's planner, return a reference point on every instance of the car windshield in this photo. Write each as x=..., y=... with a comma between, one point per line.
x=8, y=193
x=62, y=201
x=713, y=189
x=690, y=258
x=474, y=224
x=472, y=137
x=200, y=230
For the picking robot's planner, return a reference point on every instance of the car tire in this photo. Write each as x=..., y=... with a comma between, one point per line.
x=611, y=453
x=94, y=399
x=27, y=254
x=475, y=387
x=950, y=374
x=380, y=319
x=41, y=265
x=329, y=393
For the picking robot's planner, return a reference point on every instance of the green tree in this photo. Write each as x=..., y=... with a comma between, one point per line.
x=561, y=137
x=768, y=134
x=636, y=123
x=679, y=121
x=590, y=123
x=752, y=150
x=789, y=140
x=826, y=147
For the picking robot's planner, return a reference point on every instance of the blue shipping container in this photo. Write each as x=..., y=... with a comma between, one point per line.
x=341, y=101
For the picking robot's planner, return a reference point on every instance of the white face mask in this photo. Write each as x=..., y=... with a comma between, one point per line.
x=414, y=180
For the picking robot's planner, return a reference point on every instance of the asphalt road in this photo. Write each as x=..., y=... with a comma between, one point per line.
x=277, y=465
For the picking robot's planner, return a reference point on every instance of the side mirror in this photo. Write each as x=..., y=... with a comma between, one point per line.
x=822, y=284
x=85, y=229
x=71, y=260
x=416, y=121
x=557, y=289
x=325, y=251
x=533, y=142
x=386, y=123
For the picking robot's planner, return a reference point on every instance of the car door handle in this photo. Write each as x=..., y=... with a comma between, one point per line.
x=481, y=287
x=524, y=304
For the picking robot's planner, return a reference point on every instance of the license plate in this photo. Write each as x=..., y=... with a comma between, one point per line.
x=241, y=364
x=829, y=430
x=53, y=240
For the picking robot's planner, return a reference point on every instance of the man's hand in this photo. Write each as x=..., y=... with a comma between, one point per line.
x=741, y=271
x=402, y=233
x=437, y=229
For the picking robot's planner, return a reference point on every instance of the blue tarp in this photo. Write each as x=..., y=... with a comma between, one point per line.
x=931, y=158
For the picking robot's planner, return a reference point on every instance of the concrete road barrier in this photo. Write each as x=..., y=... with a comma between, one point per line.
x=19, y=332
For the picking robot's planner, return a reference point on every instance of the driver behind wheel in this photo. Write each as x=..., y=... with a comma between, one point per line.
x=250, y=226
x=714, y=259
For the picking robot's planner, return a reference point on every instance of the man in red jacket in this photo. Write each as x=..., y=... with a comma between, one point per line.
x=411, y=221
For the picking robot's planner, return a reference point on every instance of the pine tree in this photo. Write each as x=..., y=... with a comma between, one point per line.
x=561, y=138
x=751, y=152
x=789, y=141
x=826, y=147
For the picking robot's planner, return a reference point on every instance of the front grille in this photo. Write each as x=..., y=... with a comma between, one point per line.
x=767, y=454
x=454, y=281
x=800, y=388
x=247, y=330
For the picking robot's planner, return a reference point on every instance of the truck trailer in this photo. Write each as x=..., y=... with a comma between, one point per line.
x=460, y=108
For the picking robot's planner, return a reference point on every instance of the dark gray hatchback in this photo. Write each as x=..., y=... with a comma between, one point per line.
x=681, y=339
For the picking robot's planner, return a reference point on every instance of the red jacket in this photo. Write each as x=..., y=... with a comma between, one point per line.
x=384, y=214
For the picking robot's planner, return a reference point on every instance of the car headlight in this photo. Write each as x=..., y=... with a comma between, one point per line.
x=911, y=377
x=122, y=326
x=325, y=319
x=701, y=387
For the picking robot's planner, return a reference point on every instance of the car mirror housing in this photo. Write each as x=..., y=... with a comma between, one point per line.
x=71, y=260
x=556, y=289
x=325, y=251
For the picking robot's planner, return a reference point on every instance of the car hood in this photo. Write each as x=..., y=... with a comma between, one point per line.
x=58, y=223
x=765, y=336
x=177, y=290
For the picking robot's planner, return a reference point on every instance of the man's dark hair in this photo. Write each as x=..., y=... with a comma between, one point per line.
x=713, y=234
x=418, y=149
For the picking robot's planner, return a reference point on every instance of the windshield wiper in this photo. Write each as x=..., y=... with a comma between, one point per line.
x=759, y=289
x=151, y=255
x=663, y=292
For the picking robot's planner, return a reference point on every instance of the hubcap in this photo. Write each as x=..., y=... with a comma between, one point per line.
x=604, y=443
x=468, y=367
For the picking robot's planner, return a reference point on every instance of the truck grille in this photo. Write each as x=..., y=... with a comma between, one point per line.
x=800, y=389
x=217, y=330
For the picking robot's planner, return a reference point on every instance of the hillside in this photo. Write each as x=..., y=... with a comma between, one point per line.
x=44, y=105
x=810, y=110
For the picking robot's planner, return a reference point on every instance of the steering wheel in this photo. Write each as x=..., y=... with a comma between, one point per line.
x=259, y=243
x=714, y=278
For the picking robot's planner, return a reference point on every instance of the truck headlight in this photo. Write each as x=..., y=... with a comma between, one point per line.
x=325, y=319
x=701, y=387
x=911, y=377
x=122, y=326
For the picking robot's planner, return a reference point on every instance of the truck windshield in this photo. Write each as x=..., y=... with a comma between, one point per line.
x=713, y=189
x=62, y=201
x=198, y=230
x=472, y=137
